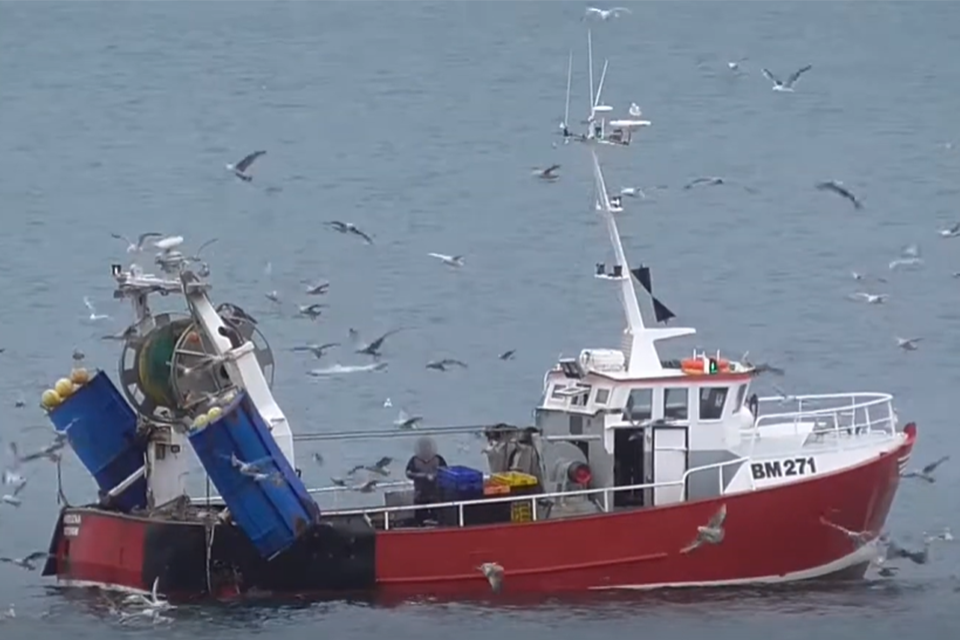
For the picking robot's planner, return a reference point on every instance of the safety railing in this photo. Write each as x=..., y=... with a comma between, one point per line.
x=536, y=501
x=833, y=415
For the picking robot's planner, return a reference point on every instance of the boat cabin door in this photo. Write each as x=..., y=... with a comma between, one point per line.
x=631, y=464
x=670, y=447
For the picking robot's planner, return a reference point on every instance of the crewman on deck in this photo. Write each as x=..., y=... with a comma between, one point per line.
x=525, y=457
x=422, y=469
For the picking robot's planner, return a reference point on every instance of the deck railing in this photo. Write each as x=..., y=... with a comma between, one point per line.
x=838, y=414
x=536, y=500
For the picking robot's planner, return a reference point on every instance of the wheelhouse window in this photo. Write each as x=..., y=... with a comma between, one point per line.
x=741, y=392
x=557, y=391
x=675, y=403
x=639, y=405
x=711, y=402
x=602, y=396
x=580, y=400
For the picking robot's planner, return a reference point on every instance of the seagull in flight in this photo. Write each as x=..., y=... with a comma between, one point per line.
x=951, y=232
x=778, y=85
x=837, y=187
x=371, y=348
x=443, y=365
x=714, y=181
x=317, y=289
x=908, y=344
x=318, y=350
x=605, y=14
x=550, y=173
x=406, y=421
x=240, y=169
x=94, y=316
x=493, y=572
x=349, y=227
x=508, y=354
x=870, y=298
x=926, y=473
x=311, y=311
x=633, y=192
x=711, y=533
x=136, y=247
x=27, y=562
x=862, y=276
x=453, y=261
x=858, y=538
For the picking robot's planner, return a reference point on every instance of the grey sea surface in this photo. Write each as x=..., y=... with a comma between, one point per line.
x=421, y=123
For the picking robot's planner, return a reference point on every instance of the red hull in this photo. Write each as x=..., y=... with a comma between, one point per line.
x=772, y=535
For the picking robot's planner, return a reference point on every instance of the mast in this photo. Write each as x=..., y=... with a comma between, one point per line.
x=639, y=341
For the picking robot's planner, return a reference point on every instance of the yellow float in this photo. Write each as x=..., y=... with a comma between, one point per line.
x=64, y=387
x=80, y=376
x=214, y=413
x=50, y=399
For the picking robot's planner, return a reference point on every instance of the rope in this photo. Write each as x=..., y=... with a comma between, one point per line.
x=397, y=433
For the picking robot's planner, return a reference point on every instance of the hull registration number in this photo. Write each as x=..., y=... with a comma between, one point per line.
x=782, y=468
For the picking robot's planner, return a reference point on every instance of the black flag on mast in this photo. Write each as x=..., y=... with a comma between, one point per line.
x=660, y=310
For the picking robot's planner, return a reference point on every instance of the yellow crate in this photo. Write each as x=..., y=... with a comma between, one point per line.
x=514, y=479
x=521, y=511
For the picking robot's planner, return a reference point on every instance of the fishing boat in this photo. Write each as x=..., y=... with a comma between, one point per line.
x=643, y=472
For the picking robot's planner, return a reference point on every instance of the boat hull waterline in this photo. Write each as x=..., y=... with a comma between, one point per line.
x=771, y=535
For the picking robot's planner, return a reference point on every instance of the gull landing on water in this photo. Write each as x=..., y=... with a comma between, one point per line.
x=547, y=174
x=452, y=261
x=909, y=257
x=778, y=85
x=240, y=169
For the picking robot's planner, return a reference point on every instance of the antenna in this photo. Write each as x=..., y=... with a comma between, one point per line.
x=603, y=76
x=590, y=64
x=566, y=108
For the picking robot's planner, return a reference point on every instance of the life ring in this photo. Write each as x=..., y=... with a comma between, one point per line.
x=695, y=366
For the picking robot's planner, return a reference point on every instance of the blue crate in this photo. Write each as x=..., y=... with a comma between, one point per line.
x=101, y=428
x=272, y=514
x=462, y=482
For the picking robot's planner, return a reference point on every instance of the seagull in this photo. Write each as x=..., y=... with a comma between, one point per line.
x=508, y=354
x=714, y=181
x=136, y=247
x=734, y=65
x=380, y=467
x=406, y=421
x=908, y=344
x=21, y=401
x=712, y=533
x=318, y=458
x=28, y=561
x=634, y=110
x=926, y=473
x=338, y=482
x=909, y=256
x=493, y=572
x=273, y=296
x=317, y=349
x=633, y=192
x=368, y=486
x=870, y=298
x=317, y=289
x=349, y=227
x=13, y=498
x=250, y=468
x=895, y=551
x=453, y=261
x=862, y=276
x=792, y=80
x=311, y=311
x=442, y=365
x=944, y=536
x=605, y=14
x=838, y=188
x=94, y=316
x=858, y=538
x=372, y=348
x=951, y=232
x=240, y=169
x=547, y=174
x=151, y=603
